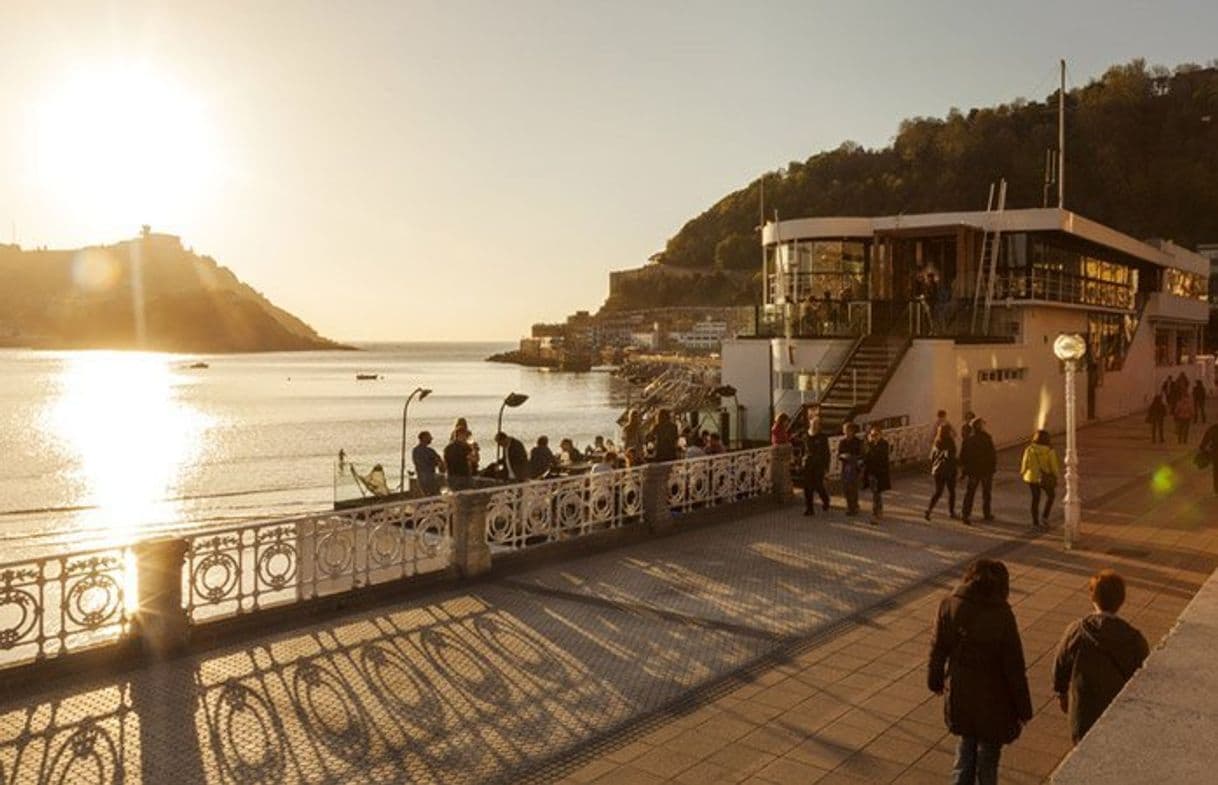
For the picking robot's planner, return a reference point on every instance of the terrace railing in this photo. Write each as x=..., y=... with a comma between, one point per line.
x=719, y=479
x=544, y=511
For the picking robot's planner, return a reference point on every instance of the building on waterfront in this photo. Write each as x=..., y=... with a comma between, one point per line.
x=701, y=337
x=892, y=318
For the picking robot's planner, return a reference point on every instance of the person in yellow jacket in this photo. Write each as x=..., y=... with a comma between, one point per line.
x=1040, y=469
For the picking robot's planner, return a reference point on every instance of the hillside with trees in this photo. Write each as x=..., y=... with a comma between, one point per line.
x=147, y=293
x=1142, y=157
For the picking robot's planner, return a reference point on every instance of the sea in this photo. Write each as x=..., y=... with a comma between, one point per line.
x=98, y=447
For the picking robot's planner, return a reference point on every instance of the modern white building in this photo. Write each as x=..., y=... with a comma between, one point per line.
x=703, y=336
x=895, y=317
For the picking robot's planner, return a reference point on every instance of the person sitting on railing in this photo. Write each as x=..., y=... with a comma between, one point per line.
x=714, y=445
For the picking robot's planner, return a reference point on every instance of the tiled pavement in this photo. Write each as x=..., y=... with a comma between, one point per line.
x=769, y=649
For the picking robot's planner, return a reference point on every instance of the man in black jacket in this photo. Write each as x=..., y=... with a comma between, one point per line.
x=515, y=457
x=978, y=462
x=816, y=465
x=1096, y=656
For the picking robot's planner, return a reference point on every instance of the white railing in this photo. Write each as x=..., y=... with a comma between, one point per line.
x=906, y=444
x=54, y=605
x=543, y=511
x=245, y=568
x=719, y=479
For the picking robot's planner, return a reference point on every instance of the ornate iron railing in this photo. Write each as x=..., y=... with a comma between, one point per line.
x=54, y=605
x=542, y=511
x=719, y=479
x=906, y=444
x=245, y=568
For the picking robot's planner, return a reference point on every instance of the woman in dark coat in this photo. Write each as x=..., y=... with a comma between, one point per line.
x=876, y=474
x=976, y=662
x=943, y=469
x=816, y=465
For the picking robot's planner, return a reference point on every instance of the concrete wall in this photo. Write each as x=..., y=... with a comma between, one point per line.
x=746, y=366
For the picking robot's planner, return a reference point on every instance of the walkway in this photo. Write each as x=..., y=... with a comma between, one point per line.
x=770, y=649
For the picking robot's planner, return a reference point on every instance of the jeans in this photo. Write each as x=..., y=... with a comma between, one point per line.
x=940, y=483
x=976, y=762
x=814, y=483
x=987, y=495
x=1036, y=489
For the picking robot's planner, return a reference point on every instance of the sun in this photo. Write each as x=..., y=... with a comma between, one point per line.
x=125, y=145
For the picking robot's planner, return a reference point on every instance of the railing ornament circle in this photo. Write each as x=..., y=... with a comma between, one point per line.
x=93, y=600
x=215, y=576
x=25, y=617
x=277, y=564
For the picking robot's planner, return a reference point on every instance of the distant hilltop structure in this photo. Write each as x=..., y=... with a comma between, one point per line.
x=150, y=292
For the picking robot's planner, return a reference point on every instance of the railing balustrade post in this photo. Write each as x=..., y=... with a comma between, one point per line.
x=656, y=512
x=780, y=472
x=160, y=619
x=471, y=553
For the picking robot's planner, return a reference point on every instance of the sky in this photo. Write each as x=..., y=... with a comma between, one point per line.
x=459, y=170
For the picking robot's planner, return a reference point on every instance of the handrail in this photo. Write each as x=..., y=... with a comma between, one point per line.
x=841, y=369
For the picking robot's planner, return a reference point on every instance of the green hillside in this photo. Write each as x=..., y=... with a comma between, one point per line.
x=1142, y=157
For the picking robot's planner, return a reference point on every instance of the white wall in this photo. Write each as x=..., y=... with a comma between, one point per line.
x=746, y=366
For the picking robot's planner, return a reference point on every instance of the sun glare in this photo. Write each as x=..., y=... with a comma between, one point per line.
x=126, y=145
x=128, y=436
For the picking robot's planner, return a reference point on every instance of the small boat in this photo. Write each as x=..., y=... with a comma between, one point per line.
x=198, y=366
x=367, y=377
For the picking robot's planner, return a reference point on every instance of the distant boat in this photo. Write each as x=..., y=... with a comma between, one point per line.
x=367, y=377
x=200, y=365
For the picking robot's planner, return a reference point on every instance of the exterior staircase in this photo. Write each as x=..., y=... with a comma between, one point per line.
x=859, y=382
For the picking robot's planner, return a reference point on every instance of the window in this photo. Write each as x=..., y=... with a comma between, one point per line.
x=1184, y=284
x=1108, y=338
x=995, y=375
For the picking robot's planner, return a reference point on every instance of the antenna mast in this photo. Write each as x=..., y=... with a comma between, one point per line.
x=1061, y=140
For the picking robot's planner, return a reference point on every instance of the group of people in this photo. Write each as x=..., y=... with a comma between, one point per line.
x=977, y=665
x=460, y=459
x=864, y=464
x=1184, y=404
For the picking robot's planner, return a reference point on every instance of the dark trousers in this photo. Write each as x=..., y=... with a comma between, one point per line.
x=1200, y=405
x=877, y=503
x=1156, y=432
x=814, y=483
x=949, y=483
x=987, y=493
x=1037, y=490
x=976, y=762
x=850, y=489
x=1182, y=431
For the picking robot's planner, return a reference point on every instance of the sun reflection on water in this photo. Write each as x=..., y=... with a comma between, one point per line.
x=128, y=438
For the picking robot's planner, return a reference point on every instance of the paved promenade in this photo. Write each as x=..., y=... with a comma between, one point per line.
x=771, y=649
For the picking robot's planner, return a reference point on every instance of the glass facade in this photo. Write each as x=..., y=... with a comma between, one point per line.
x=1185, y=284
x=806, y=270
x=1108, y=338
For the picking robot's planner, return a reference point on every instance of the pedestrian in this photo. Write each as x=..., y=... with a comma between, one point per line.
x=541, y=458
x=876, y=471
x=515, y=460
x=427, y=465
x=457, y=459
x=1155, y=415
x=977, y=664
x=1183, y=415
x=850, y=458
x=816, y=465
x=632, y=432
x=966, y=428
x=780, y=431
x=1199, y=400
x=1040, y=470
x=1207, y=453
x=978, y=461
x=943, y=469
x=664, y=435
x=940, y=420
x=1096, y=656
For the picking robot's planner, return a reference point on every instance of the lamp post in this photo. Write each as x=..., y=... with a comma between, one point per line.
x=422, y=392
x=512, y=400
x=1070, y=348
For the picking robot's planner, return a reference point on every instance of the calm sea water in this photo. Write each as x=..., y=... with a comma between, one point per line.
x=102, y=445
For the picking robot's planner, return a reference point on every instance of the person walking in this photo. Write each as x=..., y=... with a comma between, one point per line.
x=1183, y=415
x=850, y=458
x=1040, y=469
x=977, y=665
x=943, y=469
x=1207, y=453
x=1199, y=400
x=1155, y=415
x=877, y=473
x=816, y=465
x=978, y=461
x=1096, y=656
x=427, y=465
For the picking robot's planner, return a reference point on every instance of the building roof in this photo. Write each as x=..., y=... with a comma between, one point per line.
x=1047, y=219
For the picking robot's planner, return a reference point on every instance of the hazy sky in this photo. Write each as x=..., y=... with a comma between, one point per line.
x=458, y=170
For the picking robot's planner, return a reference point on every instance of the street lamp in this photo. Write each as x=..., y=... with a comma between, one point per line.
x=512, y=400
x=422, y=392
x=1070, y=348
x=728, y=391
